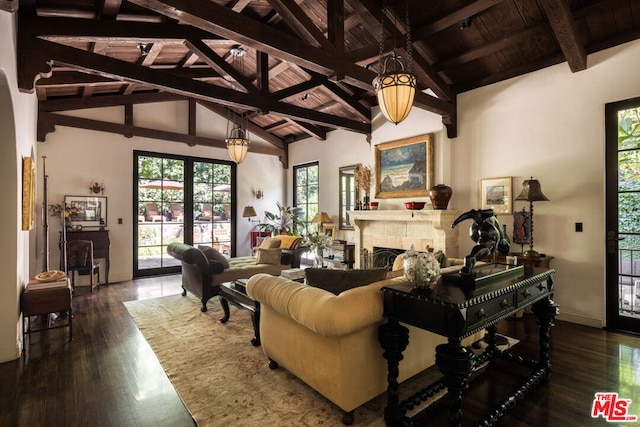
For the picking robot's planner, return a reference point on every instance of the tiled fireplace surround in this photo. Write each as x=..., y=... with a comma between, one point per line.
x=399, y=229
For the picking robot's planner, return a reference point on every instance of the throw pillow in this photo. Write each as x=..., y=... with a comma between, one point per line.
x=214, y=255
x=270, y=243
x=337, y=281
x=268, y=256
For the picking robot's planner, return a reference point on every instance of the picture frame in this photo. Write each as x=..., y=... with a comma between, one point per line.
x=92, y=210
x=497, y=194
x=28, y=193
x=330, y=230
x=405, y=167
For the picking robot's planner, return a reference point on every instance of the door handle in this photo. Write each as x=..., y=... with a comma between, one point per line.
x=613, y=237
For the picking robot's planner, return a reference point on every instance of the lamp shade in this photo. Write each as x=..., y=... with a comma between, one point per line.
x=237, y=144
x=321, y=217
x=531, y=191
x=395, y=93
x=248, y=212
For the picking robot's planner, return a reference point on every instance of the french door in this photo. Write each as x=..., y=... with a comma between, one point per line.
x=180, y=199
x=622, y=121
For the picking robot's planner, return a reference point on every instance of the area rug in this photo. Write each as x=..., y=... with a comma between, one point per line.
x=225, y=381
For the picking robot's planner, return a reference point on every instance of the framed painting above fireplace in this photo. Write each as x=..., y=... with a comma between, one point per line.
x=404, y=168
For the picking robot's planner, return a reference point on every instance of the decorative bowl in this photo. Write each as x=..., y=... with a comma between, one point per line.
x=414, y=206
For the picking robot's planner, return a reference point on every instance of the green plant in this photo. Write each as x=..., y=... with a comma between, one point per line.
x=286, y=221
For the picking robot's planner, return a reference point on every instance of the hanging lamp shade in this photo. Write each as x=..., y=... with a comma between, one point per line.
x=395, y=91
x=237, y=144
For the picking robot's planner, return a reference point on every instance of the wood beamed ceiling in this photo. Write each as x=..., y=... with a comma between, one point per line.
x=308, y=64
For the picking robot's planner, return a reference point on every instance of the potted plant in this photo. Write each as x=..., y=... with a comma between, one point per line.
x=286, y=221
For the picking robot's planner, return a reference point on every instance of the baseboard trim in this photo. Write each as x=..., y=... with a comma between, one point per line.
x=581, y=319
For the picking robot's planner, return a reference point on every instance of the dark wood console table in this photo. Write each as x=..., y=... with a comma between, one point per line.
x=457, y=312
x=101, y=246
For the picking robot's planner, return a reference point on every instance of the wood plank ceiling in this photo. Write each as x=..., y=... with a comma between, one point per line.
x=308, y=65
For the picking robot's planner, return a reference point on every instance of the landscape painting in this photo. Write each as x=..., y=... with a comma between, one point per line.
x=404, y=168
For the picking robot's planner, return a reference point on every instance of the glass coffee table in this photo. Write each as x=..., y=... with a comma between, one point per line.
x=236, y=293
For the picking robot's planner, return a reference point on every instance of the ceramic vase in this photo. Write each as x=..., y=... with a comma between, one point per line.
x=440, y=195
x=421, y=269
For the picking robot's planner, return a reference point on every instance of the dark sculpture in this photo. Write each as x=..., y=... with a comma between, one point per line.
x=488, y=235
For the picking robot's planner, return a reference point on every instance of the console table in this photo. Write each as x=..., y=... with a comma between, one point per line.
x=101, y=246
x=457, y=312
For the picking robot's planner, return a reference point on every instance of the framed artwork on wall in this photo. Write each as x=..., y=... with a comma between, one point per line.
x=89, y=211
x=404, y=168
x=28, y=193
x=496, y=194
x=521, y=227
x=330, y=230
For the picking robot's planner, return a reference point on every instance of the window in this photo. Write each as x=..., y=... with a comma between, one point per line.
x=306, y=187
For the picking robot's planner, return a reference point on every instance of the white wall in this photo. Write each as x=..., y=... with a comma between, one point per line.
x=17, y=133
x=549, y=125
x=77, y=156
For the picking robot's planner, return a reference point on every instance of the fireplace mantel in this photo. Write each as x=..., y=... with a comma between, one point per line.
x=402, y=228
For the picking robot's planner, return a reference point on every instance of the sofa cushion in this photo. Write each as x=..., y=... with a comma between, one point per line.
x=268, y=256
x=288, y=242
x=214, y=255
x=337, y=281
x=270, y=243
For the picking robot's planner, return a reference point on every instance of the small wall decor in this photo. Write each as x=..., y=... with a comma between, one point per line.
x=404, y=168
x=496, y=194
x=521, y=227
x=28, y=193
x=89, y=211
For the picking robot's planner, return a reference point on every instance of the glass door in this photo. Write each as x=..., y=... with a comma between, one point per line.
x=180, y=199
x=623, y=214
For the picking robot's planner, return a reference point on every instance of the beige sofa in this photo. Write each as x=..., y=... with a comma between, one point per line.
x=331, y=341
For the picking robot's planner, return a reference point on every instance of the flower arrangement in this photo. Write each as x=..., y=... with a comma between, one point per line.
x=362, y=175
x=421, y=268
x=315, y=241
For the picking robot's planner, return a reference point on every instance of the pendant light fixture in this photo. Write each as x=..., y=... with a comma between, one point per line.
x=237, y=126
x=395, y=84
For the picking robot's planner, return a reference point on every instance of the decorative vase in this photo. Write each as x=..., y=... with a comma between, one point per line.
x=318, y=261
x=440, y=195
x=421, y=269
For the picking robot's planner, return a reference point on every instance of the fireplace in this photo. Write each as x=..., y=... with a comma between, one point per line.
x=399, y=229
x=379, y=258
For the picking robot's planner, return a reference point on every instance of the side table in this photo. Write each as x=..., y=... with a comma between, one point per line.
x=236, y=294
x=45, y=298
x=456, y=312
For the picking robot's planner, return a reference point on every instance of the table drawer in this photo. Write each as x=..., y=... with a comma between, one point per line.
x=531, y=293
x=492, y=309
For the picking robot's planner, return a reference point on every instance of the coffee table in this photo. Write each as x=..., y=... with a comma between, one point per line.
x=236, y=294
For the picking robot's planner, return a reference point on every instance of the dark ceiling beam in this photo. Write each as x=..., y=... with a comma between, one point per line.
x=9, y=5
x=262, y=72
x=107, y=101
x=89, y=30
x=214, y=60
x=566, y=32
x=300, y=22
x=125, y=130
x=335, y=30
x=311, y=130
x=108, y=9
x=217, y=19
x=422, y=31
x=349, y=101
x=298, y=88
x=110, y=67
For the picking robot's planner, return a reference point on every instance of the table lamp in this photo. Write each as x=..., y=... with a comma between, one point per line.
x=531, y=192
x=248, y=212
x=321, y=217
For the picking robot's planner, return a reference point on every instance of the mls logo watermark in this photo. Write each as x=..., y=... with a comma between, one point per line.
x=613, y=409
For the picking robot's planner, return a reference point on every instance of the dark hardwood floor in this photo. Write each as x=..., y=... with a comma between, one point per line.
x=108, y=375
